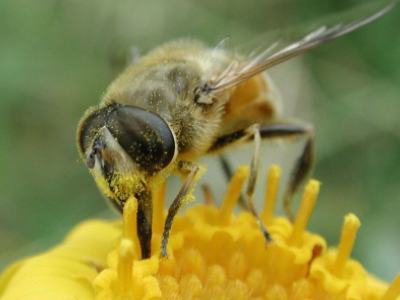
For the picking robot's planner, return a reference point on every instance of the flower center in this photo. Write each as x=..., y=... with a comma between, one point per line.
x=214, y=254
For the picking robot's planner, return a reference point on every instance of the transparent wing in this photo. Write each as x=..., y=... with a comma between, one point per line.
x=280, y=51
x=278, y=151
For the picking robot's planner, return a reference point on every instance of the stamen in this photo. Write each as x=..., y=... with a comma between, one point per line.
x=393, y=292
x=232, y=194
x=125, y=266
x=349, y=231
x=271, y=192
x=129, y=224
x=306, y=208
x=158, y=207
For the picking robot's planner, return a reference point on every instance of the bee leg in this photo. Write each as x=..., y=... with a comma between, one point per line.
x=300, y=172
x=208, y=195
x=254, y=166
x=282, y=130
x=144, y=219
x=176, y=205
x=304, y=163
x=252, y=132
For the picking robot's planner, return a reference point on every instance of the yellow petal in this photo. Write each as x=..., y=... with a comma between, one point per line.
x=72, y=266
x=212, y=254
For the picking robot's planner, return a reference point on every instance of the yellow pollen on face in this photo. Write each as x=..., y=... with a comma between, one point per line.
x=158, y=207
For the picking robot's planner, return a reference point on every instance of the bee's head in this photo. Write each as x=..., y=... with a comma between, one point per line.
x=124, y=146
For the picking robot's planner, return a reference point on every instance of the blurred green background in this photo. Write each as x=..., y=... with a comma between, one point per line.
x=57, y=58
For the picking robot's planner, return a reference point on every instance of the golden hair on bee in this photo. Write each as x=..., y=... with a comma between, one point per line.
x=183, y=101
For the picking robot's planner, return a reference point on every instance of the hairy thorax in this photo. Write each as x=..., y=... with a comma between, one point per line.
x=167, y=89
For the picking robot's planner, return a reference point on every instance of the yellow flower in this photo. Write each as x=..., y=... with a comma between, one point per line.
x=212, y=254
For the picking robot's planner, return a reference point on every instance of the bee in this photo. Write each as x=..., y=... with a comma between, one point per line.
x=183, y=101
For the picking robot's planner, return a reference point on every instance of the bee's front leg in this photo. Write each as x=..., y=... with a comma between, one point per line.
x=188, y=170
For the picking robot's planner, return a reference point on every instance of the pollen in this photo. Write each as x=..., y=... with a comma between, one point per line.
x=215, y=254
x=212, y=253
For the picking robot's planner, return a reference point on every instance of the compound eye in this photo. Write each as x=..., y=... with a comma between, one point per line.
x=145, y=136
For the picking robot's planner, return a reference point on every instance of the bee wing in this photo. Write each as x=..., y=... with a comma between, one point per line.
x=280, y=51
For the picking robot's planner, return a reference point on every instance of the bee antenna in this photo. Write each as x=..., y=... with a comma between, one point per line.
x=73, y=166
